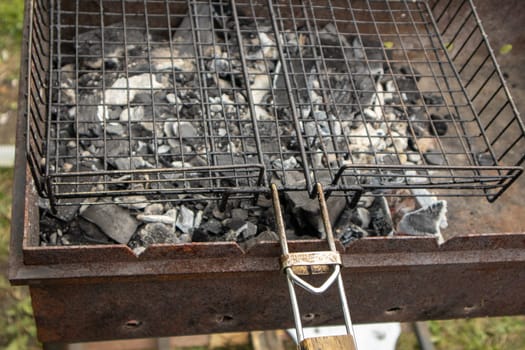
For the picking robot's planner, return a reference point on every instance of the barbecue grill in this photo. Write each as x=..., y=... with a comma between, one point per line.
x=187, y=103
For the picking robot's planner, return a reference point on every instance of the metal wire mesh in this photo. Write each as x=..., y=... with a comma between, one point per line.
x=204, y=98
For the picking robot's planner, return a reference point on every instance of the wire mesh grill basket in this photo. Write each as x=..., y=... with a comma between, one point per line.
x=183, y=100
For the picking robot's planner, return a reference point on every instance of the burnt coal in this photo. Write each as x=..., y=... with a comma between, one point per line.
x=424, y=221
x=438, y=126
x=380, y=218
x=116, y=222
x=306, y=213
x=143, y=107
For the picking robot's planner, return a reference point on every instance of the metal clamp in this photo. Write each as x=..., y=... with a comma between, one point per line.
x=295, y=265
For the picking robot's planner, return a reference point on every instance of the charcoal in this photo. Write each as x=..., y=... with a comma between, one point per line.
x=114, y=148
x=123, y=90
x=218, y=214
x=185, y=238
x=287, y=164
x=67, y=212
x=380, y=219
x=155, y=233
x=434, y=158
x=92, y=232
x=265, y=236
x=115, y=129
x=200, y=235
x=361, y=217
x=154, y=209
x=366, y=200
x=424, y=221
x=411, y=72
x=156, y=218
x=371, y=51
x=246, y=231
x=414, y=157
x=239, y=214
x=424, y=199
x=351, y=233
x=142, y=99
x=89, y=115
x=185, y=219
x=212, y=226
x=116, y=222
x=90, y=45
x=409, y=88
x=205, y=120
x=129, y=163
x=184, y=130
x=433, y=99
x=307, y=215
x=132, y=202
x=438, y=126
x=134, y=114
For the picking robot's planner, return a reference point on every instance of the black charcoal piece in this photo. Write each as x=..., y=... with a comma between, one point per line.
x=351, y=233
x=418, y=133
x=116, y=222
x=372, y=55
x=380, y=218
x=265, y=236
x=185, y=219
x=115, y=129
x=434, y=158
x=185, y=130
x=90, y=44
x=68, y=212
x=199, y=235
x=433, y=99
x=307, y=215
x=239, y=214
x=246, y=231
x=424, y=221
x=212, y=226
x=411, y=72
x=361, y=217
x=154, y=209
x=409, y=88
x=92, y=232
x=156, y=233
x=438, y=126
x=89, y=115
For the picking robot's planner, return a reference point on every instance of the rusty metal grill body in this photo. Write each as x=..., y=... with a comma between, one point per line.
x=310, y=101
x=94, y=292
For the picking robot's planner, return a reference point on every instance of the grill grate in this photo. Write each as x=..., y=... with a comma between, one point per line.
x=174, y=98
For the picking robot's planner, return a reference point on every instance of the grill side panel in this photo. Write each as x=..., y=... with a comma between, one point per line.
x=475, y=62
x=36, y=102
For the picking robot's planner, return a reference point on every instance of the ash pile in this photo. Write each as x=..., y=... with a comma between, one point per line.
x=219, y=92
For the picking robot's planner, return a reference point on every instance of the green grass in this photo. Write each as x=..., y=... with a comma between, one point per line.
x=11, y=23
x=496, y=333
x=17, y=327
